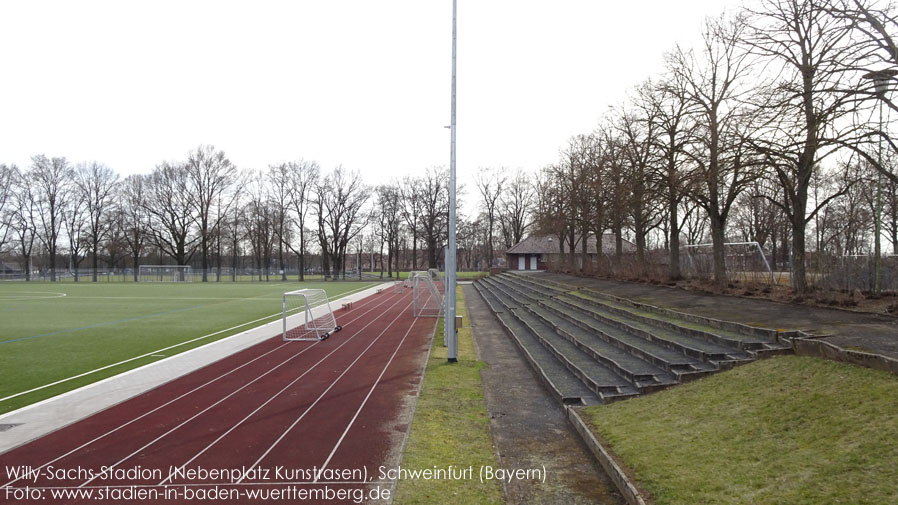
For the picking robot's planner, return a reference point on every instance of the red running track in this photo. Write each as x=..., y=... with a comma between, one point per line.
x=304, y=422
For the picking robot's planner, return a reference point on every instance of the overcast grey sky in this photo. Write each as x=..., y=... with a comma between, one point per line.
x=360, y=83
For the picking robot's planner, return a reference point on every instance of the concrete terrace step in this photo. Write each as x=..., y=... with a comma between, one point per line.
x=643, y=374
x=753, y=344
x=721, y=335
x=522, y=290
x=684, y=367
x=757, y=341
x=560, y=381
x=598, y=377
x=603, y=384
x=711, y=352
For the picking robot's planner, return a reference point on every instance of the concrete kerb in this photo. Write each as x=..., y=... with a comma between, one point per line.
x=38, y=419
x=626, y=487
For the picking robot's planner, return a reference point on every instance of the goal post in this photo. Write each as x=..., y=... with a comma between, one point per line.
x=164, y=273
x=308, y=316
x=427, y=298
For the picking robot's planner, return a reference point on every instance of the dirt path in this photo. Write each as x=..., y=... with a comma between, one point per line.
x=528, y=426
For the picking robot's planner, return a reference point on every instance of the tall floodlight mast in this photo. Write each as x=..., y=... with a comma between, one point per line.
x=450, y=334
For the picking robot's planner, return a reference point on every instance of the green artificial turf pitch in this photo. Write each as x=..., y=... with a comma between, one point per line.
x=51, y=332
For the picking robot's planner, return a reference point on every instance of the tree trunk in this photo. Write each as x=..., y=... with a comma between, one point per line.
x=94, y=262
x=718, y=253
x=674, y=241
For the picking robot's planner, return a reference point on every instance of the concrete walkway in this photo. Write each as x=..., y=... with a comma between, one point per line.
x=36, y=420
x=529, y=427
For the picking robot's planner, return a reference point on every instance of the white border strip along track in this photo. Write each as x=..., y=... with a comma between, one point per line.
x=49, y=415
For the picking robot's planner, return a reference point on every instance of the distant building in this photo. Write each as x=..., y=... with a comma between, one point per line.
x=536, y=252
x=8, y=269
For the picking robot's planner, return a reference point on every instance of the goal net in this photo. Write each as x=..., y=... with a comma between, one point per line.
x=745, y=261
x=428, y=298
x=164, y=273
x=308, y=316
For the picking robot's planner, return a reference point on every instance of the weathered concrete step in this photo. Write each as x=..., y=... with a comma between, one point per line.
x=560, y=382
x=598, y=377
x=602, y=335
x=520, y=289
x=547, y=289
x=491, y=301
x=642, y=374
x=749, y=339
x=711, y=352
x=540, y=279
x=509, y=300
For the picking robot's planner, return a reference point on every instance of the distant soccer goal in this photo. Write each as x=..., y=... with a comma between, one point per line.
x=744, y=261
x=164, y=273
x=308, y=316
x=428, y=298
x=410, y=280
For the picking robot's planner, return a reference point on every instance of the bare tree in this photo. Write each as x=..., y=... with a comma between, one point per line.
x=133, y=218
x=339, y=200
x=515, y=208
x=74, y=215
x=810, y=50
x=490, y=184
x=171, y=208
x=209, y=174
x=675, y=131
x=23, y=218
x=258, y=218
x=434, y=198
x=95, y=183
x=410, y=190
x=8, y=174
x=52, y=182
x=637, y=129
x=390, y=210
x=278, y=178
x=303, y=178
x=714, y=86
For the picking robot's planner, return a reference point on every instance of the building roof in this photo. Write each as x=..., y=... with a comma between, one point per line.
x=548, y=244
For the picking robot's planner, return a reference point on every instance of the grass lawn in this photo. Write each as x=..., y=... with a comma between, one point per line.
x=50, y=332
x=786, y=430
x=451, y=427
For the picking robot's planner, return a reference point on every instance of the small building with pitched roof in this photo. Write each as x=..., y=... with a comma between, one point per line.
x=536, y=252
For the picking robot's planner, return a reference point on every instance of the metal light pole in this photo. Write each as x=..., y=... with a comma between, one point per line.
x=881, y=81
x=450, y=335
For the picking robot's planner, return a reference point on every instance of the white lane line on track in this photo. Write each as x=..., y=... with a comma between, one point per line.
x=322, y=395
x=270, y=399
x=365, y=401
x=229, y=395
x=157, y=351
x=166, y=404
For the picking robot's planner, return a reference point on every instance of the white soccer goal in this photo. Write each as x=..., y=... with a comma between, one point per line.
x=308, y=316
x=744, y=261
x=164, y=273
x=428, y=298
x=410, y=280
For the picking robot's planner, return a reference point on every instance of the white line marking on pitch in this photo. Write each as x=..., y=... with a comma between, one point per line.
x=229, y=395
x=45, y=386
x=166, y=404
